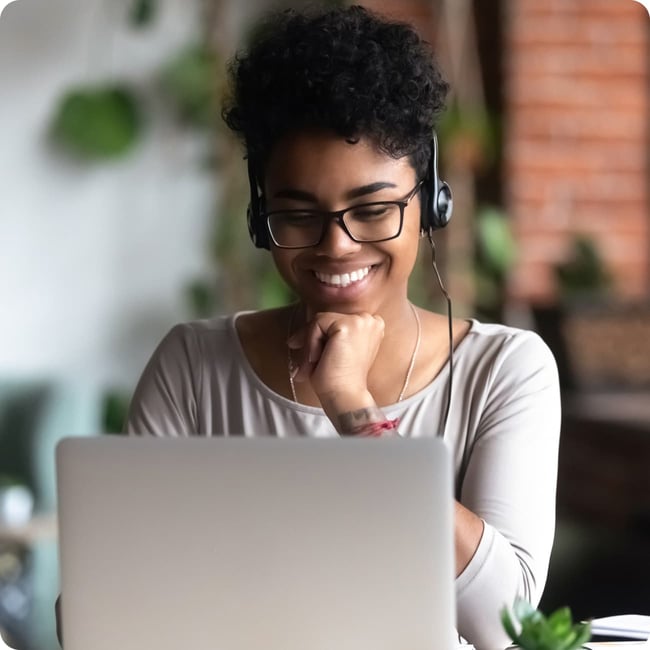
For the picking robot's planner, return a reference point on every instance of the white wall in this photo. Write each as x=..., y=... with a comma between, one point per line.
x=93, y=259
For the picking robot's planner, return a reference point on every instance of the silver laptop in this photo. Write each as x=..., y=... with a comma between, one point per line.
x=256, y=544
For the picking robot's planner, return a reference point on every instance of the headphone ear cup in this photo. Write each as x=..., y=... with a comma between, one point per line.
x=436, y=206
x=437, y=201
x=425, y=207
x=257, y=230
x=444, y=205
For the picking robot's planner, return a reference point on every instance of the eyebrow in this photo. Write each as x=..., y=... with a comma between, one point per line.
x=355, y=193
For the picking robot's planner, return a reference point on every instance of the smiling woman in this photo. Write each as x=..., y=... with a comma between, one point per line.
x=336, y=111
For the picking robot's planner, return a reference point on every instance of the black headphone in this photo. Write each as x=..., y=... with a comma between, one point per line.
x=257, y=229
x=437, y=202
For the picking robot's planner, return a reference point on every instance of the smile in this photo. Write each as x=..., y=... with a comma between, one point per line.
x=343, y=279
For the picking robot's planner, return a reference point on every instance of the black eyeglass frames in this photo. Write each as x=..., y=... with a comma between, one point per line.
x=365, y=222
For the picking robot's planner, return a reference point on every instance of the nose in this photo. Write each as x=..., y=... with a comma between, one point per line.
x=336, y=242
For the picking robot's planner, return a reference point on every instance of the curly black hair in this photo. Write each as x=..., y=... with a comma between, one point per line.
x=347, y=70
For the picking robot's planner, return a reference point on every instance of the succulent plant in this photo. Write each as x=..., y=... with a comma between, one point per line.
x=535, y=631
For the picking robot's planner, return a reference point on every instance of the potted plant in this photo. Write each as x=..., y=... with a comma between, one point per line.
x=529, y=629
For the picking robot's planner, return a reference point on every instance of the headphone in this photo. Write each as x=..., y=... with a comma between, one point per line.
x=436, y=200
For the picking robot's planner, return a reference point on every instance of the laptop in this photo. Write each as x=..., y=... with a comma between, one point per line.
x=251, y=544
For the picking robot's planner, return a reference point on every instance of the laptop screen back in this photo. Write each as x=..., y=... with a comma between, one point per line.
x=244, y=544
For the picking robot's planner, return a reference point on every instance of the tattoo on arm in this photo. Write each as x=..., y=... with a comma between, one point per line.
x=351, y=421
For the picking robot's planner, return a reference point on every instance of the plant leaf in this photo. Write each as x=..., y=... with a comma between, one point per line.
x=97, y=123
x=557, y=632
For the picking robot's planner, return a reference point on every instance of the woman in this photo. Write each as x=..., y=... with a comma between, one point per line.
x=336, y=111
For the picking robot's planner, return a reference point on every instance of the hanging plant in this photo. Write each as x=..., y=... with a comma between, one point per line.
x=97, y=123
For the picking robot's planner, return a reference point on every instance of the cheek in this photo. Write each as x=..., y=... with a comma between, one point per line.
x=410, y=240
x=283, y=261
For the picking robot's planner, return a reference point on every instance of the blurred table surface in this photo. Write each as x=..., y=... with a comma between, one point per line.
x=38, y=528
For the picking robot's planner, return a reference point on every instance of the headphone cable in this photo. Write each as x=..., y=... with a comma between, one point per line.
x=450, y=359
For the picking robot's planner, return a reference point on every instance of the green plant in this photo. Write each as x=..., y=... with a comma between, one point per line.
x=584, y=271
x=97, y=123
x=142, y=13
x=496, y=252
x=190, y=81
x=11, y=480
x=470, y=134
x=538, y=632
x=115, y=410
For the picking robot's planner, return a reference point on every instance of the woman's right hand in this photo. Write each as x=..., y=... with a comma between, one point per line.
x=334, y=352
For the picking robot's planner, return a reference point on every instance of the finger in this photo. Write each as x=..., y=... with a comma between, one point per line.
x=297, y=339
x=315, y=340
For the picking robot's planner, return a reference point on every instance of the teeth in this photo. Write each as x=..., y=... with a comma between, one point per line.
x=343, y=280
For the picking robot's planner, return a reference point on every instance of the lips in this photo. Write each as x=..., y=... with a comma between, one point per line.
x=343, y=279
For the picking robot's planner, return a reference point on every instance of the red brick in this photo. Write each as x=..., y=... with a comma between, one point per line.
x=568, y=8
x=590, y=122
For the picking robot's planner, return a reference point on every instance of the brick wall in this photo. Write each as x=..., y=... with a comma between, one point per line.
x=420, y=13
x=576, y=104
x=577, y=77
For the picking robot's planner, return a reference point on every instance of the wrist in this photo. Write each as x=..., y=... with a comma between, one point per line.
x=339, y=406
x=358, y=416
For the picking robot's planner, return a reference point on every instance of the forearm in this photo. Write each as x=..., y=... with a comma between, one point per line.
x=494, y=577
x=468, y=530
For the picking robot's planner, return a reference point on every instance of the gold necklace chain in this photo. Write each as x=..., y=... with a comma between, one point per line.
x=408, y=372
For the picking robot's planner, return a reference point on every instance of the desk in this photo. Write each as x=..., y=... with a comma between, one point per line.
x=619, y=645
x=602, y=645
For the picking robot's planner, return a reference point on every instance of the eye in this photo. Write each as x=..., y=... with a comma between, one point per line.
x=296, y=219
x=372, y=211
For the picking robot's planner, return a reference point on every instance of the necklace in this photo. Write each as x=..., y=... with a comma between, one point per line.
x=414, y=355
x=408, y=372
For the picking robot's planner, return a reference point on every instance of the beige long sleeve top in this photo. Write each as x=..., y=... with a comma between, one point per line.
x=503, y=430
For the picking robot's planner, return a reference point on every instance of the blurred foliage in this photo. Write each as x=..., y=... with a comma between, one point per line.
x=471, y=136
x=10, y=480
x=496, y=252
x=201, y=299
x=97, y=123
x=273, y=292
x=115, y=409
x=583, y=274
x=143, y=13
x=190, y=82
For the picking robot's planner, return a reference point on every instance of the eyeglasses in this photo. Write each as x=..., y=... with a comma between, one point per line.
x=366, y=222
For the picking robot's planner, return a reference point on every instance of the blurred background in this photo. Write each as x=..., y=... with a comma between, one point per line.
x=122, y=212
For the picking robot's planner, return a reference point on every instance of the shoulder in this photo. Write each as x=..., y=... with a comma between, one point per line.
x=191, y=344
x=508, y=355
x=504, y=341
x=199, y=334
